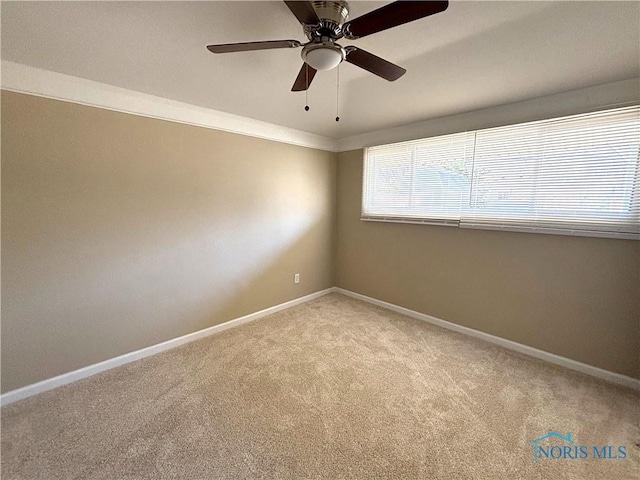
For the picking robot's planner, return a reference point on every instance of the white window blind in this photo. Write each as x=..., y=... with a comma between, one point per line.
x=573, y=175
x=423, y=181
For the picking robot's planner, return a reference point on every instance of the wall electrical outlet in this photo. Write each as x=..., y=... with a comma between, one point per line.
x=296, y=278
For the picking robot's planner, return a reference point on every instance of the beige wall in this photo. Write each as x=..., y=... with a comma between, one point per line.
x=119, y=231
x=573, y=296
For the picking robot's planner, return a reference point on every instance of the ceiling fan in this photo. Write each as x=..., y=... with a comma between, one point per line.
x=324, y=23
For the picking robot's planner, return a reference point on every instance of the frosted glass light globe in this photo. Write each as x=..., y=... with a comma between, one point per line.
x=323, y=58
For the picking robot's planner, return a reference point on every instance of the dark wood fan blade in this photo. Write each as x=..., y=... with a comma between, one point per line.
x=391, y=15
x=304, y=78
x=376, y=65
x=248, y=46
x=304, y=12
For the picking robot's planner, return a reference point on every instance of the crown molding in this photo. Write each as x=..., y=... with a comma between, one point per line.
x=540, y=108
x=21, y=78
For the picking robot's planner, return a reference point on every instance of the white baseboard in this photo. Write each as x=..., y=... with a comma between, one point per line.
x=518, y=347
x=70, y=377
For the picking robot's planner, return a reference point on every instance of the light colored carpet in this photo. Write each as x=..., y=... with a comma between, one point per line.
x=332, y=389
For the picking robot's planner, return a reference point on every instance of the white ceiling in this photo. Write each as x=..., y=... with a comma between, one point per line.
x=474, y=55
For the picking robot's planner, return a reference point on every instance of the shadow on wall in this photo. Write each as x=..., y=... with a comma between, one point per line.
x=120, y=232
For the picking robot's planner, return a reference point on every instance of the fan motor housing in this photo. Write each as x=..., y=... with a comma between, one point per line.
x=332, y=16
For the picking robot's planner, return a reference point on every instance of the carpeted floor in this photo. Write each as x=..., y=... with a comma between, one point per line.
x=332, y=389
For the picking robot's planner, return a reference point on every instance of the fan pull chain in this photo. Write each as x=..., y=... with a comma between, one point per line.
x=306, y=90
x=338, y=93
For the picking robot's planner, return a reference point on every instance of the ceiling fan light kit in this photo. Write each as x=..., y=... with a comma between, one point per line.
x=323, y=56
x=324, y=23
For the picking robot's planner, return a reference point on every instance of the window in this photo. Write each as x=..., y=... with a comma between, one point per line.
x=577, y=175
